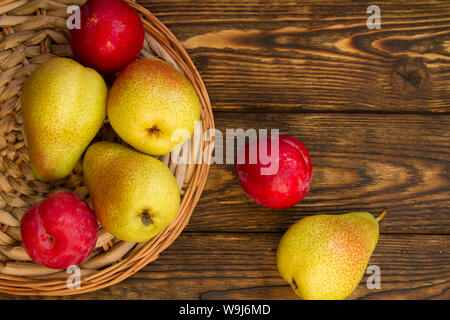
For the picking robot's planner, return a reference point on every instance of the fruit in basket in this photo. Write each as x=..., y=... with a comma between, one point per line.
x=60, y=231
x=277, y=177
x=110, y=36
x=63, y=107
x=134, y=196
x=152, y=106
x=324, y=257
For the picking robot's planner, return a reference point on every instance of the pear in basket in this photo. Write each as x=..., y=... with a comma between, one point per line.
x=134, y=195
x=152, y=106
x=63, y=107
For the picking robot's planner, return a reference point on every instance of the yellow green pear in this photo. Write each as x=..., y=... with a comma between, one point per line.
x=134, y=195
x=63, y=107
x=152, y=106
x=324, y=257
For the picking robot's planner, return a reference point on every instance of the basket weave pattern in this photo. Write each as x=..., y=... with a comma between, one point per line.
x=34, y=31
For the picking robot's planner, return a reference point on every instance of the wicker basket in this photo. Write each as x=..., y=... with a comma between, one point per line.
x=32, y=33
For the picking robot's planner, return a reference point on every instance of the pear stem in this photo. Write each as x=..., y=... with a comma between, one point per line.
x=381, y=216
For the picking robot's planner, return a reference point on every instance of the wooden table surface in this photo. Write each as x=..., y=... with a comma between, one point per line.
x=373, y=109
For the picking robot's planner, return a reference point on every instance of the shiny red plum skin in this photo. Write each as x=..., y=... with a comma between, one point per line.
x=111, y=35
x=288, y=185
x=60, y=231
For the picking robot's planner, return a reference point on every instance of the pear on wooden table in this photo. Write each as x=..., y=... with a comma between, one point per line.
x=324, y=257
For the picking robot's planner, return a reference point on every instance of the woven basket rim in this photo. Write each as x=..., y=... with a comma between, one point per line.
x=143, y=253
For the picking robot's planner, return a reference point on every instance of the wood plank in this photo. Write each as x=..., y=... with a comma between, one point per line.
x=316, y=55
x=219, y=266
x=361, y=162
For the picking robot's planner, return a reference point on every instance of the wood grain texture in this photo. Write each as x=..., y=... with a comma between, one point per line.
x=361, y=162
x=316, y=55
x=242, y=266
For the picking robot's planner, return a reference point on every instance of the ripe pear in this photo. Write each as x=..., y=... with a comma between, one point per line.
x=134, y=196
x=63, y=107
x=324, y=257
x=152, y=106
